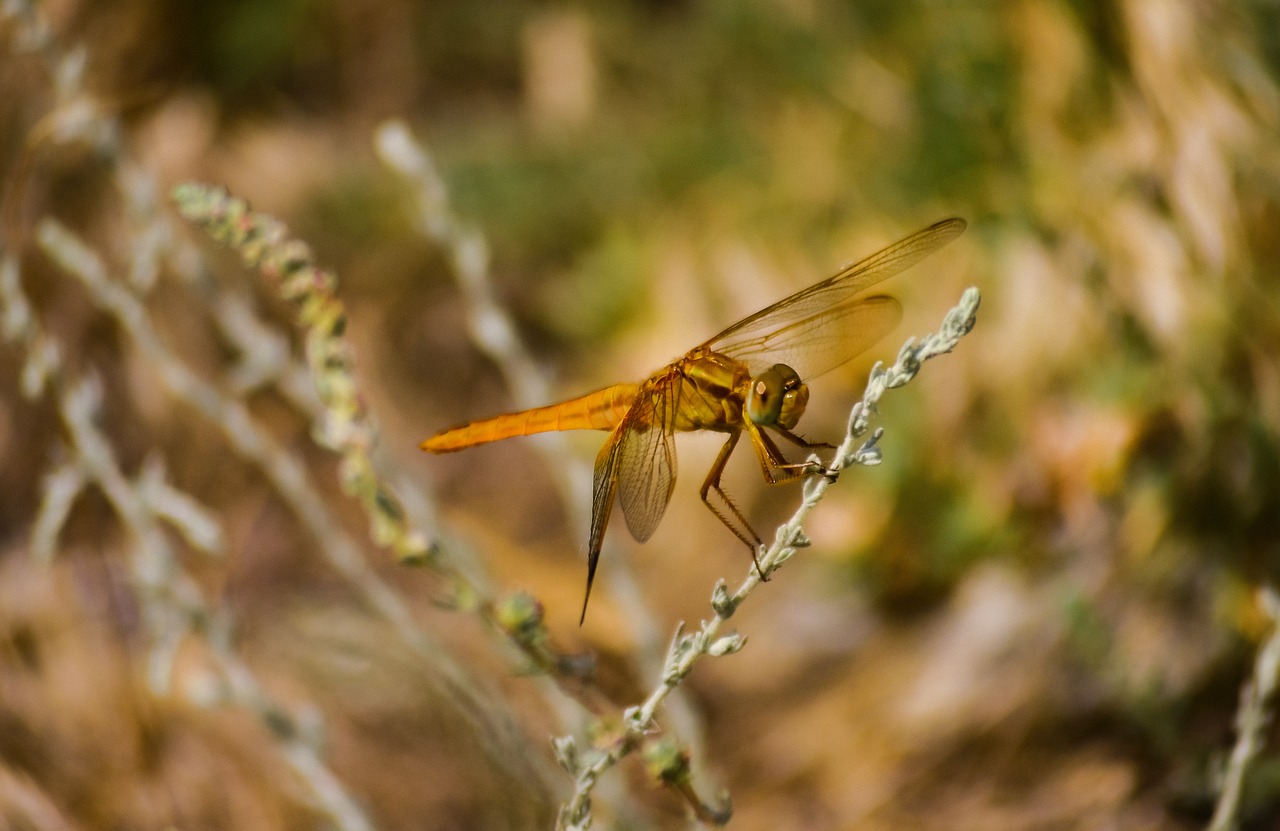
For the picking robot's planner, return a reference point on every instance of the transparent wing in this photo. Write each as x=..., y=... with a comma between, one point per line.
x=818, y=328
x=638, y=462
x=646, y=463
x=822, y=342
x=604, y=485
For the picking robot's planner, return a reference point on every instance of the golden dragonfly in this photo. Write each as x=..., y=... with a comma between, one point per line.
x=749, y=378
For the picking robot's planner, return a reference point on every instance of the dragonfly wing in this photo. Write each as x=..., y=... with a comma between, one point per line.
x=822, y=342
x=638, y=462
x=604, y=486
x=646, y=465
x=820, y=327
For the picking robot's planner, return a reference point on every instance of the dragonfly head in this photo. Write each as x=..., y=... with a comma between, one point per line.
x=777, y=396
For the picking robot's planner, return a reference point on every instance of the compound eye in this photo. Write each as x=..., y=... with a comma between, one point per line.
x=770, y=390
x=764, y=401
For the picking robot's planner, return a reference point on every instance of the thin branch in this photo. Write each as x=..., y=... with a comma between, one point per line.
x=79, y=117
x=264, y=244
x=171, y=602
x=173, y=605
x=492, y=719
x=687, y=649
x=1252, y=718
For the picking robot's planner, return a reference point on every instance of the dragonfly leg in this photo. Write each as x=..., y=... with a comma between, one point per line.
x=775, y=467
x=799, y=441
x=712, y=483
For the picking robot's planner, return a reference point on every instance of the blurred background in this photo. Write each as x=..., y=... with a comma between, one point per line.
x=1037, y=613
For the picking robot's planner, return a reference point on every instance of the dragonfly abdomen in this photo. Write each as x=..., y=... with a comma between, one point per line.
x=599, y=410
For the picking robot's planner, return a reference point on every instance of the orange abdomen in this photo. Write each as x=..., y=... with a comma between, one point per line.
x=599, y=410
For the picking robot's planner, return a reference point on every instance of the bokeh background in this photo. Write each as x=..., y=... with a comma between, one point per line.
x=1037, y=613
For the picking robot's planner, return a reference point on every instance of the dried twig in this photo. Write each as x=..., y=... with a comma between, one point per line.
x=171, y=602
x=686, y=650
x=264, y=243
x=1252, y=718
x=169, y=599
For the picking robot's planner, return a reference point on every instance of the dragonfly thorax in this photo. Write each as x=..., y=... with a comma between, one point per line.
x=777, y=396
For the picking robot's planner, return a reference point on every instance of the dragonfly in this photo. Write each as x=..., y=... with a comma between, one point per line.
x=749, y=379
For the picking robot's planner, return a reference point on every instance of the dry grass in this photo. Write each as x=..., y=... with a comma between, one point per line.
x=1037, y=613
